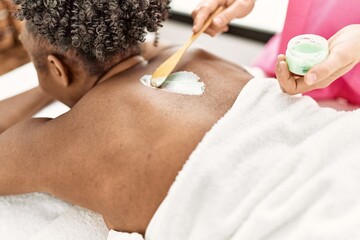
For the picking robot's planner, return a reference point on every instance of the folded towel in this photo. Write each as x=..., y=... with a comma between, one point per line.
x=42, y=217
x=274, y=167
x=114, y=235
x=75, y=224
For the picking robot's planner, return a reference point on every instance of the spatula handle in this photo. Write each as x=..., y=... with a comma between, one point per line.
x=207, y=23
x=162, y=72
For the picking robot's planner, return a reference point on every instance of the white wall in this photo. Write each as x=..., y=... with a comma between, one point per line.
x=232, y=48
x=268, y=15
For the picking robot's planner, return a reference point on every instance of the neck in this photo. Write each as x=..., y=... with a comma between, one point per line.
x=113, y=67
x=121, y=67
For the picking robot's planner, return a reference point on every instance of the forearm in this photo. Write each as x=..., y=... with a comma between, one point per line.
x=21, y=107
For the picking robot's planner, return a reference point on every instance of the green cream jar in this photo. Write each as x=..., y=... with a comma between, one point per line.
x=305, y=51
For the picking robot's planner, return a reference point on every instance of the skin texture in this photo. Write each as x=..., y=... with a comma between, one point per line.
x=21, y=107
x=344, y=54
x=120, y=147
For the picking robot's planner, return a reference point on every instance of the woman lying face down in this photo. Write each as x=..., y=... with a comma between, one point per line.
x=120, y=147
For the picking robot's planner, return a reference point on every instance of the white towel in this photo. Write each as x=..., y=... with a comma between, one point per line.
x=274, y=167
x=42, y=217
x=24, y=215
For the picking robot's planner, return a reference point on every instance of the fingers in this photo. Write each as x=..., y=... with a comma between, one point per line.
x=335, y=62
x=288, y=82
x=225, y=17
x=280, y=77
x=237, y=9
x=203, y=11
x=293, y=84
x=335, y=75
x=234, y=9
x=214, y=32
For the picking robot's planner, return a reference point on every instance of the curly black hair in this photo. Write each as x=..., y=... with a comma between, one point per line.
x=96, y=29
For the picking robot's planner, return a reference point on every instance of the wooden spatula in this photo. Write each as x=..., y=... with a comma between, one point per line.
x=162, y=72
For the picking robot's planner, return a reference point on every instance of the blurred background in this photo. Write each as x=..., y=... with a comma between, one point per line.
x=12, y=54
x=246, y=37
x=241, y=45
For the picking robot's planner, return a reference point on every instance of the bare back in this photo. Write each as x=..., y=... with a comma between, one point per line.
x=138, y=138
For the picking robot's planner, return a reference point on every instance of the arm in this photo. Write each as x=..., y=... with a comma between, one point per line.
x=21, y=107
x=68, y=157
x=54, y=156
x=43, y=155
x=21, y=171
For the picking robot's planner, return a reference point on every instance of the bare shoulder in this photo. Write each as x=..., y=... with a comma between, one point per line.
x=122, y=108
x=195, y=54
x=123, y=98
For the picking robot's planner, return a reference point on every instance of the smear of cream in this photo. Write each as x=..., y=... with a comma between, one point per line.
x=186, y=83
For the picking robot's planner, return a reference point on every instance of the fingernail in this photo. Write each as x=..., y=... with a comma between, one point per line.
x=218, y=21
x=311, y=79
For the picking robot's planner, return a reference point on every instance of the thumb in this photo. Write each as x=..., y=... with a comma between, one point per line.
x=324, y=69
x=237, y=9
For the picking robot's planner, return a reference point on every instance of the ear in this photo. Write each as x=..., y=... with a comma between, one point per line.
x=58, y=71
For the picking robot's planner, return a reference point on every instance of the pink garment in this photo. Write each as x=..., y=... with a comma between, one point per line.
x=324, y=18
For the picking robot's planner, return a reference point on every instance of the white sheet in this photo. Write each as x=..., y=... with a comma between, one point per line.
x=275, y=167
x=23, y=79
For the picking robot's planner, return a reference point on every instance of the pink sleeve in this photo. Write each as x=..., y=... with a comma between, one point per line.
x=267, y=58
x=324, y=18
